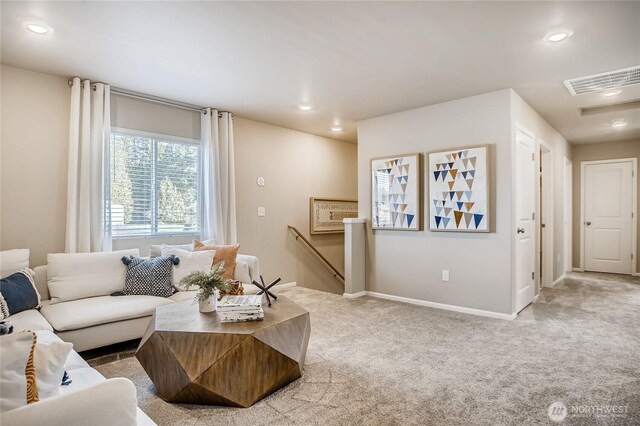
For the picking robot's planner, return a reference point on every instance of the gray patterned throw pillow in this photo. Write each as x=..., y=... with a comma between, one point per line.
x=150, y=277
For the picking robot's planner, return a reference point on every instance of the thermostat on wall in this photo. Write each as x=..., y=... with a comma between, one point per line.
x=260, y=181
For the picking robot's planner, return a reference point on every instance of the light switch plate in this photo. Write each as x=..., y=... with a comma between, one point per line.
x=445, y=275
x=262, y=211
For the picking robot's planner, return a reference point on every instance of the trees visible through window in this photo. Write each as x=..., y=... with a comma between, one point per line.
x=155, y=185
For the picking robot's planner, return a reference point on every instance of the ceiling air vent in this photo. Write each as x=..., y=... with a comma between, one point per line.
x=605, y=81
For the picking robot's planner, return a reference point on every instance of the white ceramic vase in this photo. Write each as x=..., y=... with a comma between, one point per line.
x=210, y=304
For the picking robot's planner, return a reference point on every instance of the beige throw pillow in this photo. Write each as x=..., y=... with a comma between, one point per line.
x=226, y=254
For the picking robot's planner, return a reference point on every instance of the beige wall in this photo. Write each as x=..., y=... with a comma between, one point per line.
x=33, y=161
x=295, y=165
x=591, y=152
x=409, y=264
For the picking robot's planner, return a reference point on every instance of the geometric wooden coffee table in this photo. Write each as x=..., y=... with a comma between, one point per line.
x=192, y=357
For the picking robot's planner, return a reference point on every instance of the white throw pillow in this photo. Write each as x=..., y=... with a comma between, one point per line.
x=72, y=276
x=242, y=272
x=49, y=359
x=14, y=352
x=190, y=261
x=155, y=250
x=11, y=261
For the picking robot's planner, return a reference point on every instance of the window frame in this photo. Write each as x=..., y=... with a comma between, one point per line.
x=156, y=137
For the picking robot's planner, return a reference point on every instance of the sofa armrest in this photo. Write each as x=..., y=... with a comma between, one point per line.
x=254, y=265
x=40, y=279
x=106, y=403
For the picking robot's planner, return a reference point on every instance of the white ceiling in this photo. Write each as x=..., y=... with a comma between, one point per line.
x=350, y=60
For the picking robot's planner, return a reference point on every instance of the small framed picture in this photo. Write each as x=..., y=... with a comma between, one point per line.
x=395, y=192
x=326, y=214
x=459, y=189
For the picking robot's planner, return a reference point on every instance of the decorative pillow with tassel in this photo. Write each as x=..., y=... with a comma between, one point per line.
x=151, y=277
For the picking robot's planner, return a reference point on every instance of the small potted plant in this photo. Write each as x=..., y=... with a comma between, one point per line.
x=209, y=283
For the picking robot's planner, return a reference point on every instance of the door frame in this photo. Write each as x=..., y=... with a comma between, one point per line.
x=544, y=200
x=567, y=214
x=634, y=206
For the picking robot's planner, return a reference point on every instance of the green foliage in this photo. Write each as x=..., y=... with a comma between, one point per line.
x=171, y=203
x=207, y=282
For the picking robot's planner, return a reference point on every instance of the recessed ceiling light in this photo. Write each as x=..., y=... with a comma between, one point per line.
x=618, y=123
x=557, y=36
x=37, y=28
x=304, y=107
x=611, y=93
x=336, y=129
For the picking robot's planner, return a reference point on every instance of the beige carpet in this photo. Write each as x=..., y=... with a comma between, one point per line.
x=376, y=362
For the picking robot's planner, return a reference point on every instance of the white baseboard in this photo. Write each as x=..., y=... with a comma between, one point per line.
x=286, y=285
x=354, y=295
x=556, y=282
x=577, y=269
x=636, y=274
x=454, y=308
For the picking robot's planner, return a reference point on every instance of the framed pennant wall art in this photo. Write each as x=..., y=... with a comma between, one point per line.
x=459, y=189
x=395, y=192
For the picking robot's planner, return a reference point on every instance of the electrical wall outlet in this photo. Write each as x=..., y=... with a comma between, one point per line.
x=445, y=275
x=262, y=211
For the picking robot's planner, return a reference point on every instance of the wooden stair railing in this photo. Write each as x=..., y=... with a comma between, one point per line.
x=298, y=234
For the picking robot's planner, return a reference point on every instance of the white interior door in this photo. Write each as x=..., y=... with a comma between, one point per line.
x=525, y=223
x=608, y=217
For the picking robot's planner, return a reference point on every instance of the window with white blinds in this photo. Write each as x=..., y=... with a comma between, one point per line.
x=155, y=185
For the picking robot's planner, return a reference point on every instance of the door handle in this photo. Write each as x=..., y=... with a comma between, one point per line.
x=520, y=230
x=587, y=223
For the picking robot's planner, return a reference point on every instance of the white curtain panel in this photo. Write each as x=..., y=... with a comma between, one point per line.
x=89, y=168
x=218, y=172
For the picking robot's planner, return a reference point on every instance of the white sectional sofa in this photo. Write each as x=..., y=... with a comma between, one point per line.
x=88, y=323
x=94, y=322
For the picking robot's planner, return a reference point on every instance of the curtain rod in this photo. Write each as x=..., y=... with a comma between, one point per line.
x=155, y=99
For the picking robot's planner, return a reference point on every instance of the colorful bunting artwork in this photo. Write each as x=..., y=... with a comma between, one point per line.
x=395, y=198
x=459, y=189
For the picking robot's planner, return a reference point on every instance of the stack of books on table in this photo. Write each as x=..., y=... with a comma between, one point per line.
x=240, y=308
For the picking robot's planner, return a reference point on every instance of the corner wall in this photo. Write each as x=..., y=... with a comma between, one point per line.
x=409, y=264
x=527, y=117
x=592, y=152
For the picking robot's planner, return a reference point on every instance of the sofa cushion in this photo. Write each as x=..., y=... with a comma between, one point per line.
x=18, y=293
x=72, y=276
x=191, y=294
x=183, y=295
x=29, y=320
x=82, y=378
x=92, y=311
